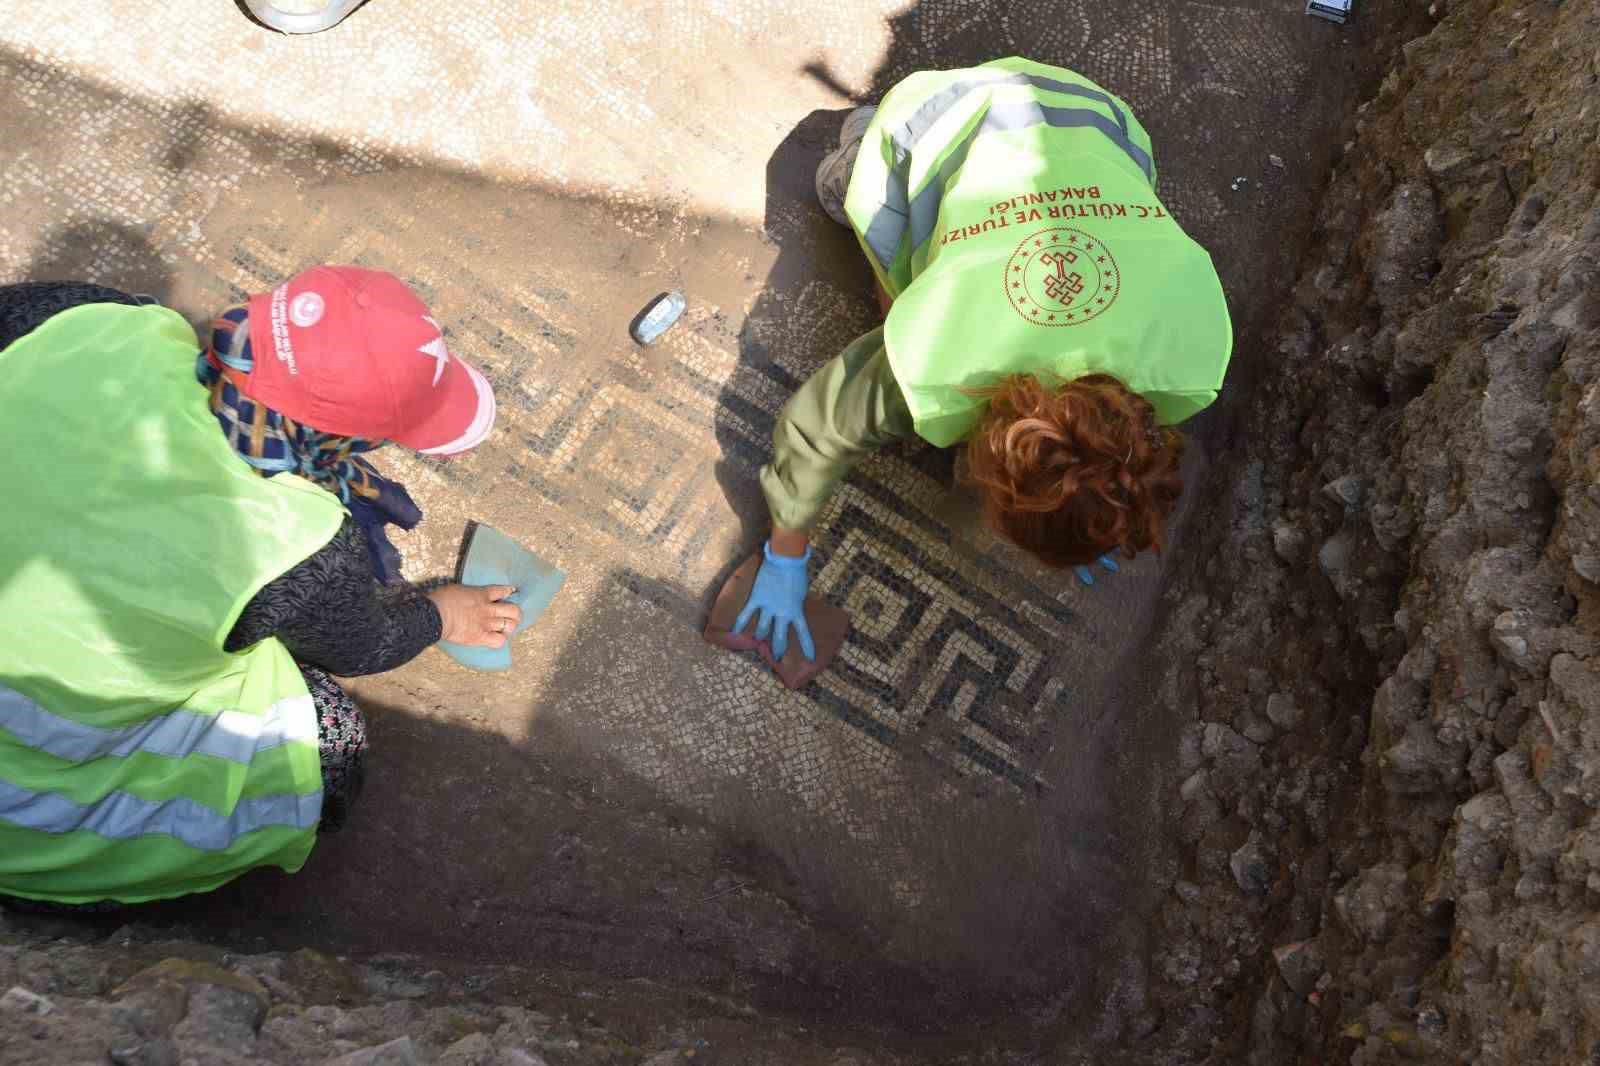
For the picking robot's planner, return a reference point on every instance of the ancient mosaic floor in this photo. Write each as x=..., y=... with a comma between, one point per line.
x=539, y=171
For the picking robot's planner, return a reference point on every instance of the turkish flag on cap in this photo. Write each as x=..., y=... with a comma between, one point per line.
x=353, y=352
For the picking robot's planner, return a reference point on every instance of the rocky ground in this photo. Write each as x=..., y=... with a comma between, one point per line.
x=1388, y=785
x=1380, y=638
x=136, y=998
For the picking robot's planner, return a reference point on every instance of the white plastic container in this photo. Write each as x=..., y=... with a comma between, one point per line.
x=306, y=17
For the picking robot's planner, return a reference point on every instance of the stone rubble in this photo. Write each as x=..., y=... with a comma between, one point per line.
x=1404, y=867
x=137, y=998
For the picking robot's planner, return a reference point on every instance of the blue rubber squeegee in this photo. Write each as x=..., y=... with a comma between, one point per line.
x=495, y=559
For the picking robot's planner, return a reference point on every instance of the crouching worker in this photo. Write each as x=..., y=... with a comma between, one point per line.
x=188, y=553
x=1041, y=306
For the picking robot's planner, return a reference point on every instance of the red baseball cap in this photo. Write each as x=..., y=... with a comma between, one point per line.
x=353, y=352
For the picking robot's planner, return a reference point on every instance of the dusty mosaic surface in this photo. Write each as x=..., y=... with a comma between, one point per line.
x=540, y=173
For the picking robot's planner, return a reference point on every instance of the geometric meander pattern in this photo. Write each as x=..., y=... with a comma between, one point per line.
x=951, y=654
x=948, y=656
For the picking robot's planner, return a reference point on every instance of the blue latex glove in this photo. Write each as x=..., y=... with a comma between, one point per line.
x=1104, y=560
x=779, y=596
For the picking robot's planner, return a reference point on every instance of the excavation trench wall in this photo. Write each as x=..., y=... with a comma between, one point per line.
x=1387, y=787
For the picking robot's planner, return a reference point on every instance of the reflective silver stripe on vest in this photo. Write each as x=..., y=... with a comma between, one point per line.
x=1089, y=94
x=120, y=816
x=231, y=735
x=888, y=225
x=1011, y=116
x=935, y=107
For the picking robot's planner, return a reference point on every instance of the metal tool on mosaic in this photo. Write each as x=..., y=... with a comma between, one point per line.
x=658, y=316
x=1332, y=10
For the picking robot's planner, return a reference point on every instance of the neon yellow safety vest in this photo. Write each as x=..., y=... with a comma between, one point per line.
x=138, y=760
x=1010, y=210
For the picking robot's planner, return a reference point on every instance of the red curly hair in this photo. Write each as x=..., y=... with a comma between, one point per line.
x=1071, y=471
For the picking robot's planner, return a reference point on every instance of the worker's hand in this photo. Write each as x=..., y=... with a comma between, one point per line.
x=1104, y=560
x=476, y=615
x=778, y=601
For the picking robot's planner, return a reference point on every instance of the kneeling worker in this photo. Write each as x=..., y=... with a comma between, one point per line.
x=192, y=547
x=1041, y=305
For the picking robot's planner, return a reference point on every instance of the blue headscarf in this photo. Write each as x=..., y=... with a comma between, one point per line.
x=273, y=443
